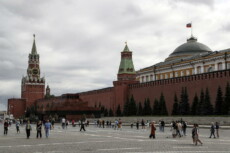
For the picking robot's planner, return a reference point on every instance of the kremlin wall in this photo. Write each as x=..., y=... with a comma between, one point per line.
x=192, y=65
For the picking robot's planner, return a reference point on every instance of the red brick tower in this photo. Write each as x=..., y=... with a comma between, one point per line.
x=126, y=75
x=33, y=86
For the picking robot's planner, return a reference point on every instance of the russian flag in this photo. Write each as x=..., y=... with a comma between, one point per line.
x=189, y=25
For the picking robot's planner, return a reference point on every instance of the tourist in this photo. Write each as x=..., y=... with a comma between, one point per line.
x=143, y=124
x=28, y=129
x=82, y=125
x=131, y=125
x=217, y=129
x=196, y=135
x=47, y=128
x=137, y=125
x=184, y=127
x=63, y=123
x=153, y=129
x=66, y=123
x=120, y=124
x=116, y=124
x=17, y=124
x=52, y=122
x=162, y=126
x=39, y=129
x=6, y=125
x=73, y=123
x=212, y=131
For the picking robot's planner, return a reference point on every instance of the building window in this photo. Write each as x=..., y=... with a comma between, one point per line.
x=151, y=77
x=171, y=75
x=176, y=74
x=187, y=72
x=147, y=78
x=182, y=73
x=142, y=79
x=210, y=69
x=156, y=77
x=161, y=76
x=166, y=76
x=198, y=69
x=220, y=66
x=228, y=65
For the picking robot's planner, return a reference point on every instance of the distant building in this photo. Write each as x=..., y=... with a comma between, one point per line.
x=188, y=59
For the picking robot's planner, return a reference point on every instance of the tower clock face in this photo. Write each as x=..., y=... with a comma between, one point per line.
x=35, y=71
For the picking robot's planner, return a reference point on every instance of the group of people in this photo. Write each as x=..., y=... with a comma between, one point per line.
x=178, y=128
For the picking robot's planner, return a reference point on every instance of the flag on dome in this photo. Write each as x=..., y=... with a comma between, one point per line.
x=189, y=25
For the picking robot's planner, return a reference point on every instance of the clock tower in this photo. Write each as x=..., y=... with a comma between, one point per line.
x=33, y=86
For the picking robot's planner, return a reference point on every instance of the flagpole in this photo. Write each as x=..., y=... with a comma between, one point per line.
x=191, y=29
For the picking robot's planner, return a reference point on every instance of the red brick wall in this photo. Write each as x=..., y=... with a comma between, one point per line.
x=169, y=87
x=33, y=93
x=16, y=107
x=105, y=97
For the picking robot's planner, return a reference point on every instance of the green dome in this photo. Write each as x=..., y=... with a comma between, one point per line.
x=190, y=48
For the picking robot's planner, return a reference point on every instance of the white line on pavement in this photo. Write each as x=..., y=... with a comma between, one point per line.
x=118, y=149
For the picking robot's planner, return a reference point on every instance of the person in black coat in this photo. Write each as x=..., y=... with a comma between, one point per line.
x=82, y=125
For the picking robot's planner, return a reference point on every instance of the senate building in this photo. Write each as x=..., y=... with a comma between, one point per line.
x=192, y=65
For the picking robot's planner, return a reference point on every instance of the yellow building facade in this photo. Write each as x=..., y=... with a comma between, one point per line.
x=189, y=58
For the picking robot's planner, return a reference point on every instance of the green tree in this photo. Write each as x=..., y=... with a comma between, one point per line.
x=226, y=105
x=119, y=113
x=201, y=103
x=184, y=104
x=219, y=102
x=110, y=112
x=156, y=110
x=126, y=108
x=208, y=108
x=195, y=103
x=163, y=109
x=139, y=110
x=105, y=112
x=132, y=106
x=175, y=110
x=147, y=107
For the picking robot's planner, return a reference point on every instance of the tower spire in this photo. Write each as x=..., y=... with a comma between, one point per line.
x=34, y=49
x=126, y=49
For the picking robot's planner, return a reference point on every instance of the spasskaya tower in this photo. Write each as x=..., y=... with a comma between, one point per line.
x=33, y=86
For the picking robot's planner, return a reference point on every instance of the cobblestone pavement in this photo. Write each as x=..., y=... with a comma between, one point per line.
x=107, y=140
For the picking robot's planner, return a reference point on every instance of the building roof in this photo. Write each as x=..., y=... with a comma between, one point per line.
x=190, y=48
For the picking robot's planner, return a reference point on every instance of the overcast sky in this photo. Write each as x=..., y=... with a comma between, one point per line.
x=79, y=41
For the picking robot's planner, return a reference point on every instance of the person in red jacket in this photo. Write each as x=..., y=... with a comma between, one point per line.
x=153, y=129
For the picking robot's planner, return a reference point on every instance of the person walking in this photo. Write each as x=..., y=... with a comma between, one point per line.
x=196, y=134
x=63, y=123
x=39, y=129
x=217, y=129
x=82, y=125
x=6, y=125
x=143, y=124
x=28, y=129
x=212, y=130
x=137, y=125
x=153, y=129
x=47, y=127
x=17, y=126
x=184, y=127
